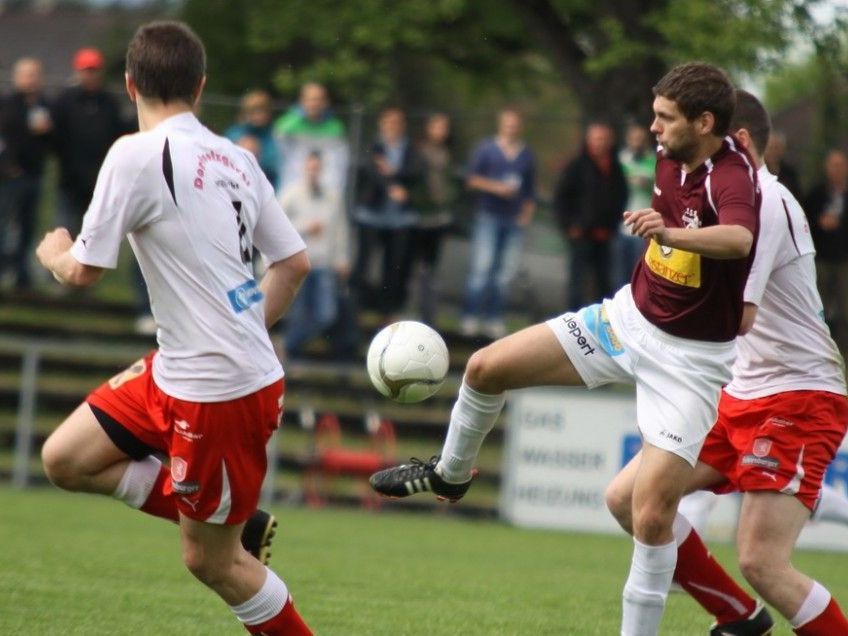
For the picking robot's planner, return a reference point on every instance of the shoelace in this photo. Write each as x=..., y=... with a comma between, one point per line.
x=418, y=468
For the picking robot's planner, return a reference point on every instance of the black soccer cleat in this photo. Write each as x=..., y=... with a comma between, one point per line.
x=257, y=534
x=417, y=476
x=759, y=623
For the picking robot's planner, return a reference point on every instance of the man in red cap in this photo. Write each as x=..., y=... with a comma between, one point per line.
x=86, y=121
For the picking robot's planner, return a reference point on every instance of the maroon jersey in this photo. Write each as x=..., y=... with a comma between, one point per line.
x=686, y=294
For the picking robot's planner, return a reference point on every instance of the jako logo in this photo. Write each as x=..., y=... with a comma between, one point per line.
x=244, y=295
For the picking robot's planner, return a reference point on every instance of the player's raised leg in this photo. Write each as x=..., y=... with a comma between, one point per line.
x=769, y=525
x=256, y=595
x=530, y=357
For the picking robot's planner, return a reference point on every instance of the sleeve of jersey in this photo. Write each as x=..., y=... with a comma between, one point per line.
x=735, y=200
x=772, y=227
x=117, y=207
x=274, y=235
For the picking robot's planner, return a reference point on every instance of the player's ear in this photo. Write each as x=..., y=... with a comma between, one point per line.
x=744, y=138
x=199, y=91
x=705, y=123
x=131, y=87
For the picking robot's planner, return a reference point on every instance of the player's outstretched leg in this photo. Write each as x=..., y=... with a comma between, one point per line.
x=531, y=357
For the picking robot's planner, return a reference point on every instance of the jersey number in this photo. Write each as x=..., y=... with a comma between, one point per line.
x=244, y=247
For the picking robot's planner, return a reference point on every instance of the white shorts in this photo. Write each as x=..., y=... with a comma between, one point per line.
x=678, y=380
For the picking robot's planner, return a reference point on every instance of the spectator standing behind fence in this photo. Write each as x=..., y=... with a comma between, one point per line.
x=503, y=173
x=590, y=197
x=25, y=130
x=386, y=215
x=435, y=210
x=638, y=160
x=318, y=214
x=87, y=120
x=775, y=157
x=255, y=128
x=310, y=126
x=827, y=209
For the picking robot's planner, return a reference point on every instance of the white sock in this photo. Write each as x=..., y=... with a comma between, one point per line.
x=816, y=602
x=681, y=529
x=137, y=481
x=266, y=603
x=647, y=588
x=833, y=506
x=472, y=417
x=697, y=507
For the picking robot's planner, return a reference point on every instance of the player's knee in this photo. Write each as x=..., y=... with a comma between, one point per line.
x=619, y=504
x=59, y=465
x=481, y=374
x=205, y=567
x=652, y=523
x=760, y=570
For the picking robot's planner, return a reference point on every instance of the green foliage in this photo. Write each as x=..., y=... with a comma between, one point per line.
x=419, y=51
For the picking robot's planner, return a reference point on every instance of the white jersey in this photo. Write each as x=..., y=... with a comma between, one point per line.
x=193, y=205
x=789, y=347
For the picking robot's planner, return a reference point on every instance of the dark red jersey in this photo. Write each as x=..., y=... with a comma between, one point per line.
x=686, y=294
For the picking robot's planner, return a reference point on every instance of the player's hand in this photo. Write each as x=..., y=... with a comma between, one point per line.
x=52, y=245
x=648, y=224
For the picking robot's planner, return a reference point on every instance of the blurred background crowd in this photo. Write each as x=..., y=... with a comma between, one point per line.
x=411, y=203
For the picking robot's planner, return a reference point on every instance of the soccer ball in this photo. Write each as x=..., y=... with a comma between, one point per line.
x=407, y=361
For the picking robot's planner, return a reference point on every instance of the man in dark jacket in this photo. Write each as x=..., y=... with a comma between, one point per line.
x=87, y=120
x=25, y=130
x=588, y=202
x=827, y=211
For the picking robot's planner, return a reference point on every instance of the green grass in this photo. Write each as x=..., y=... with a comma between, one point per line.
x=76, y=564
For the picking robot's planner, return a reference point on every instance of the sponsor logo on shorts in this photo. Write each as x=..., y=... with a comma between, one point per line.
x=780, y=422
x=597, y=322
x=185, y=487
x=182, y=428
x=764, y=462
x=244, y=295
x=761, y=446
x=179, y=469
x=577, y=334
x=672, y=436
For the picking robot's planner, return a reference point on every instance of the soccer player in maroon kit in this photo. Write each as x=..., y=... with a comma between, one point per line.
x=781, y=420
x=670, y=332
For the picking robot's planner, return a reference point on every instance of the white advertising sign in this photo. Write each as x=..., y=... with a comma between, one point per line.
x=564, y=446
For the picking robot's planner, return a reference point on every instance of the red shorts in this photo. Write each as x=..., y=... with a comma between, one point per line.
x=216, y=449
x=782, y=442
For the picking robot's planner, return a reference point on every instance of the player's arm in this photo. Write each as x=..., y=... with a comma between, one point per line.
x=280, y=284
x=716, y=241
x=54, y=253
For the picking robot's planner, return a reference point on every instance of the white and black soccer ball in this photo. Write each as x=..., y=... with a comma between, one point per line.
x=407, y=361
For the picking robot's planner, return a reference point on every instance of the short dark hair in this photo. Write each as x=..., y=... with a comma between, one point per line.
x=166, y=60
x=696, y=88
x=751, y=115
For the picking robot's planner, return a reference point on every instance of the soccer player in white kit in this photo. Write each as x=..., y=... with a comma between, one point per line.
x=193, y=206
x=780, y=423
x=670, y=332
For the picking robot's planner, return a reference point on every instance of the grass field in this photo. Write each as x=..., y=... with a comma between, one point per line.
x=76, y=564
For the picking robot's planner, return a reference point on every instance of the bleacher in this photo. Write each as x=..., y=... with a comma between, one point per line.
x=54, y=349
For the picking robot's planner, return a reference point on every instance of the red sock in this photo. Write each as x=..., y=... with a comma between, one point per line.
x=287, y=623
x=707, y=582
x=829, y=623
x=160, y=502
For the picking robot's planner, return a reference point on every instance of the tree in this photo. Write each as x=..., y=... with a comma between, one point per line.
x=608, y=52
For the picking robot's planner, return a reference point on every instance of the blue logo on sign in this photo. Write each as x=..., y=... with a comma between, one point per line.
x=244, y=295
x=630, y=445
